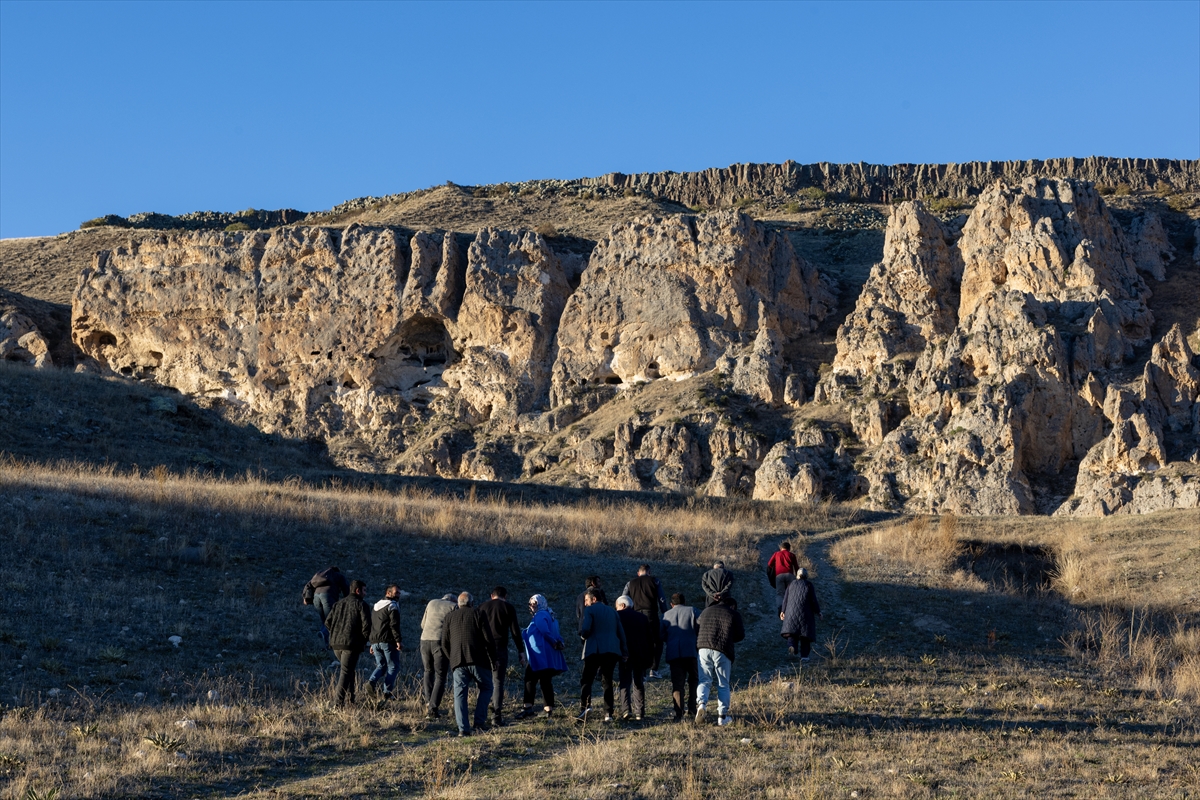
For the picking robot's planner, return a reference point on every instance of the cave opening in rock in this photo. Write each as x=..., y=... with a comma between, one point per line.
x=415, y=356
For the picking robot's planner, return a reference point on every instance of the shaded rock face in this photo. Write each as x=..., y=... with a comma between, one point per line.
x=1008, y=392
x=672, y=298
x=20, y=339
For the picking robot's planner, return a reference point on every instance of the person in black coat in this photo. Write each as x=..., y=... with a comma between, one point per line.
x=646, y=592
x=349, y=626
x=720, y=628
x=469, y=647
x=800, y=610
x=500, y=618
x=632, y=671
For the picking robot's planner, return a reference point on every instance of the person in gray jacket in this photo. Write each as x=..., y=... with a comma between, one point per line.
x=603, y=646
x=433, y=658
x=679, y=629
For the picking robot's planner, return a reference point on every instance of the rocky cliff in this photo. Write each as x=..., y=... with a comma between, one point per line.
x=984, y=363
x=884, y=183
x=1001, y=362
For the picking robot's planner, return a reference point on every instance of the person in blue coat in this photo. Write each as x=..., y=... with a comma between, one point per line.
x=543, y=655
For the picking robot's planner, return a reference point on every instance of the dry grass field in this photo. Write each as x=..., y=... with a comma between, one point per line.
x=949, y=664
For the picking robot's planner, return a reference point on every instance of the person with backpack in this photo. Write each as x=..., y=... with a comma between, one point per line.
x=323, y=591
x=500, y=618
x=781, y=571
x=799, y=613
x=720, y=629
x=679, y=629
x=349, y=631
x=544, y=657
x=385, y=640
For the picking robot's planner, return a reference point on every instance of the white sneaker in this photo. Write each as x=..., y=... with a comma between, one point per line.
x=700, y=714
x=726, y=720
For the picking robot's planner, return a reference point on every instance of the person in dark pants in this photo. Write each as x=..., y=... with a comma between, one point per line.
x=679, y=629
x=323, y=591
x=433, y=658
x=717, y=581
x=469, y=647
x=591, y=582
x=632, y=671
x=386, y=643
x=349, y=625
x=543, y=653
x=603, y=646
x=800, y=610
x=647, y=595
x=500, y=618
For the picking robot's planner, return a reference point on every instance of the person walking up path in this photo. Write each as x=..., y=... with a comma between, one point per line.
x=323, y=591
x=721, y=628
x=544, y=657
x=349, y=630
x=632, y=671
x=799, y=613
x=469, y=647
x=781, y=571
x=500, y=619
x=603, y=646
x=717, y=580
x=679, y=629
x=647, y=594
x=386, y=643
x=591, y=582
x=433, y=657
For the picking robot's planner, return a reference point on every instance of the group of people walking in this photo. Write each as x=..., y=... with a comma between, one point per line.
x=467, y=645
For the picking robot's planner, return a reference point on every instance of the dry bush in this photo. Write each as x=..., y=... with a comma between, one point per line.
x=916, y=545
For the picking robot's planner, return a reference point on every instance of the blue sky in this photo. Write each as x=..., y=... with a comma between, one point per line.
x=174, y=107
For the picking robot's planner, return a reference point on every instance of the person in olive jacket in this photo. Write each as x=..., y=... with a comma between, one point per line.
x=386, y=643
x=603, y=646
x=632, y=671
x=469, y=647
x=349, y=630
x=720, y=628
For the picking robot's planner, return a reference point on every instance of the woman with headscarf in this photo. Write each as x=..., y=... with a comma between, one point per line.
x=543, y=655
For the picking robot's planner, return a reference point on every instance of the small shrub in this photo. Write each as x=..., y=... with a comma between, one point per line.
x=1105, y=188
x=629, y=192
x=526, y=191
x=111, y=655
x=546, y=230
x=236, y=226
x=53, y=666
x=50, y=643
x=1123, y=190
x=1180, y=202
x=792, y=207
x=163, y=742
x=942, y=205
x=744, y=202
x=813, y=193
x=111, y=220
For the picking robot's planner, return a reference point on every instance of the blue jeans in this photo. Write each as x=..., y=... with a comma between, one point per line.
x=387, y=658
x=324, y=602
x=463, y=678
x=714, y=666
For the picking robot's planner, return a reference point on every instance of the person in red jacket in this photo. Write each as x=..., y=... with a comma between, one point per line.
x=781, y=571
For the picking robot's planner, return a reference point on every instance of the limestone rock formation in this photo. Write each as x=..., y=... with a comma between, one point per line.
x=1152, y=251
x=1004, y=396
x=20, y=339
x=323, y=333
x=796, y=471
x=674, y=297
x=1153, y=418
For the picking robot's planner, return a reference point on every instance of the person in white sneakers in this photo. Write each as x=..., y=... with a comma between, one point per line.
x=720, y=629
